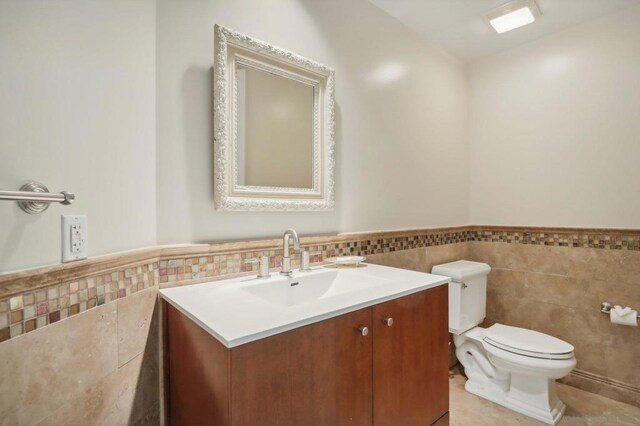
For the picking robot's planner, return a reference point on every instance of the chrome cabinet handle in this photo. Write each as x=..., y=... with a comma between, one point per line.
x=388, y=321
x=364, y=330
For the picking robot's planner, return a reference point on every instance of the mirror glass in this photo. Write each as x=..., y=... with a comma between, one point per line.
x=274, y=130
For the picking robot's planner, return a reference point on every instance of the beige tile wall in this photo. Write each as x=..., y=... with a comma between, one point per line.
x=421, y=259
x=98, y=366
x=558, y=290
x=102, y=365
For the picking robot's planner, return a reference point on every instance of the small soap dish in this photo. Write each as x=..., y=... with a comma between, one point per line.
x=346, y=261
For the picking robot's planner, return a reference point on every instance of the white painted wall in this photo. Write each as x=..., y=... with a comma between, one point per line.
x=555, y=129
x=77, y=112
x=553, y=124
x=401, y=118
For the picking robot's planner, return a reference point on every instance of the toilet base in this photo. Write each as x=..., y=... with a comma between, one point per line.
x=522, y=385
x=493, y=394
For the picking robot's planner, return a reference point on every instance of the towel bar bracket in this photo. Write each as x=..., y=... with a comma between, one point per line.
x=34, y=197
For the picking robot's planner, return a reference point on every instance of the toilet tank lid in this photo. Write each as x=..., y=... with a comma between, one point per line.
x=462, y=270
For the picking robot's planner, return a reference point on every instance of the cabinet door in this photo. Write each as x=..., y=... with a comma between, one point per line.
x=319, y=374
x=198, y=373
x=410, y=359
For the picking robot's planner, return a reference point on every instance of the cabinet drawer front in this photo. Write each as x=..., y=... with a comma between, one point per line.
x=315, y=375
x=410, y=359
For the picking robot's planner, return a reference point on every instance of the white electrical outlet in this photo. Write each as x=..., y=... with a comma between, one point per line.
x=74, y=238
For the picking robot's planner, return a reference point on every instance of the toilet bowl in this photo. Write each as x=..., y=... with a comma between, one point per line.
x=521, y=377
x=511, y=366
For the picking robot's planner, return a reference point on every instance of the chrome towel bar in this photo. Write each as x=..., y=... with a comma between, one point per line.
x=34, y=197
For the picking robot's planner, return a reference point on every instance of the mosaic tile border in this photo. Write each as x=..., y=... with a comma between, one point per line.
x=612, y=239
x=184, y=269
x=33, y=299
x=31, y=310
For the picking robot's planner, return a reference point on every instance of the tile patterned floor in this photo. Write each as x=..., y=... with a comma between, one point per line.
x=583, y=408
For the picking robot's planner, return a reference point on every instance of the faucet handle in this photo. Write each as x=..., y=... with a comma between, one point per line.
x=264, y=265
x=305, y=264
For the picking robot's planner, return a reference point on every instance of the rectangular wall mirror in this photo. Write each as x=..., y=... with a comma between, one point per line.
x=274, y=127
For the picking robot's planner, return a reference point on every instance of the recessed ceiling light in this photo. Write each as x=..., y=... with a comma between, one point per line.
x=513, y=15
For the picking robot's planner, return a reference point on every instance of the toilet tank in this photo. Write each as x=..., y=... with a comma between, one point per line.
x=467, y=293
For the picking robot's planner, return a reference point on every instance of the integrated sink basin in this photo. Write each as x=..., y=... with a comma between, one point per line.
x=307, y=288
x=245, y=309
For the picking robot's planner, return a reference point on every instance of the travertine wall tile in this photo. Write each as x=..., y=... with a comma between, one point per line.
x=563, y=290
x=545, y=259
x=606, y=265
x=136, y=314
x=621, y=358
x=41, y=370
x=499, y=255
x=506, y=282
x=420, y=259
x=548, y=280
x=558, y=291
x=126, y=396
x=414, y=259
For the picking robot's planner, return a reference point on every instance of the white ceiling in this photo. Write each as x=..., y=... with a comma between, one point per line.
x=459, y=27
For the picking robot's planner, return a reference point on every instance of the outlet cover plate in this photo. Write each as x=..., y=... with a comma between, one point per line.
x=75, y=244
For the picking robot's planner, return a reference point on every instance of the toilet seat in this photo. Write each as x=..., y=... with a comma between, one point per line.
x=527, y=343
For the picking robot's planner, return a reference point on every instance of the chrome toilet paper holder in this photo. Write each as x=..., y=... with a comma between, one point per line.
x=605, y=308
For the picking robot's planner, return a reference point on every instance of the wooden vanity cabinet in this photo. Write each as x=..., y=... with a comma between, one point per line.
x=411, y=359
x=314, y=375
x=330, y=373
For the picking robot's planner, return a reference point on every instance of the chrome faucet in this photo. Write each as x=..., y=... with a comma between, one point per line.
x=286, y=259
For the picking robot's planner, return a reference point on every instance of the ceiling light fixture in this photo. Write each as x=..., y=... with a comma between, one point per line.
x=512, y=15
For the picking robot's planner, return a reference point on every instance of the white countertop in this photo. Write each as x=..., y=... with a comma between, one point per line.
x=241, y=310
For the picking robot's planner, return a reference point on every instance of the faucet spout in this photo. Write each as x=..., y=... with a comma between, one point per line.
x=286, y=258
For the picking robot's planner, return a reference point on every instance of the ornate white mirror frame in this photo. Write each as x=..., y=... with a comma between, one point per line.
x=231, y=50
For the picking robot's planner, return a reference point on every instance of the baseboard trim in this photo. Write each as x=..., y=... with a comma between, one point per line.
x=590, y=382
x=614, y=389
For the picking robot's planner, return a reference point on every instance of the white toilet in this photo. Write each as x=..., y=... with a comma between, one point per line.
x=511, y=366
